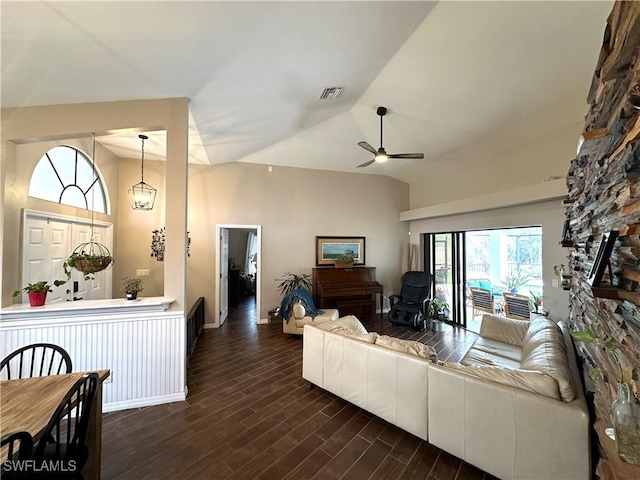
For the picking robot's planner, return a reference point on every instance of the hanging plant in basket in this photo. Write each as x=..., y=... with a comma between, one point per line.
x=88, y=258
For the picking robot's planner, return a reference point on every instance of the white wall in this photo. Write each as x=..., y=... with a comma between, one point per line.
x=293, y=206
x=530, y=163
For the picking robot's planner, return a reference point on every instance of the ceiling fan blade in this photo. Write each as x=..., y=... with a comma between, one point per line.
x=366, y=164
x=407, y=155
x=368, y=147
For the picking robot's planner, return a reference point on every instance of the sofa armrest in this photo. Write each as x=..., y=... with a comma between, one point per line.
x=348, y=321
x=517, y=428
x=503, y=329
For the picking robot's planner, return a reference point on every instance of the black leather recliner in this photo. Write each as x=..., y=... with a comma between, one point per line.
x=409, y=307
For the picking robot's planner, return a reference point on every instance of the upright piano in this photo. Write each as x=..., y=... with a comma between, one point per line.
x=351, y=290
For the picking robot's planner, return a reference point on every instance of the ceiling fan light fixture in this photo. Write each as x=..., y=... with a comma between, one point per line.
x=380, y=155
x=142, y=196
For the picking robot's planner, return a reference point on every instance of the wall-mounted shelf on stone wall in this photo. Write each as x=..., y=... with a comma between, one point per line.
x=616, y=293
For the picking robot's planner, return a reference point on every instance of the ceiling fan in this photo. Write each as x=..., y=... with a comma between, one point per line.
x=381, y=155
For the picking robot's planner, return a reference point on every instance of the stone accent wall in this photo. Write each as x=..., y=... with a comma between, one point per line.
x=604, y=195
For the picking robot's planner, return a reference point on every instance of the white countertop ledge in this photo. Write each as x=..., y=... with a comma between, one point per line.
x=86, y=307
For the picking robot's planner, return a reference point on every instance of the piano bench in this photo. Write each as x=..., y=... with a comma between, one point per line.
x=295, y=325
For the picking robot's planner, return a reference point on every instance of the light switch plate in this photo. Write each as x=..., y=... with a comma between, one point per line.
x=142, y=272
x=554, y=283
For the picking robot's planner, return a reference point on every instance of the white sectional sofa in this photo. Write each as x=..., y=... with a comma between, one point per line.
x=513, y=406
x=340, y=357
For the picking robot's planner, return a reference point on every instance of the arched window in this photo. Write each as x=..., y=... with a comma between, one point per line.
x=65, y=175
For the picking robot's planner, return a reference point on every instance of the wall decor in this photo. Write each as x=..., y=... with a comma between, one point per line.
x=157, y=244
x=330, y=248
x=602, y=259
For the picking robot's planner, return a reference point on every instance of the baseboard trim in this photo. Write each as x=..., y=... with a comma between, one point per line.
x=144, y=402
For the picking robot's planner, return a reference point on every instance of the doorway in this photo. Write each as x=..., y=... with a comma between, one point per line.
x=238, y=267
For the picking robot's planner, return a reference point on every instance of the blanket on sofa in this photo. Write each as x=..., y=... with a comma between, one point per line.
x=298, y=296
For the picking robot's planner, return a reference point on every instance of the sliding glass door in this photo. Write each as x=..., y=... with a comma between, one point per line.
x=445, y=259
x=497, y=260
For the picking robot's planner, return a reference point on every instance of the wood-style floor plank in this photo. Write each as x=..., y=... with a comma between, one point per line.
x=250, y=415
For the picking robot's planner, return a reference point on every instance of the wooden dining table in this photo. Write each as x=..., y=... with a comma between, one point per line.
x=27, y=404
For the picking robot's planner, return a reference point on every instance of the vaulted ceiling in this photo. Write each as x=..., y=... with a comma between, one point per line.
x=461, y=80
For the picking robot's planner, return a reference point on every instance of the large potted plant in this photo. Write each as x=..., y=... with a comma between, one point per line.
x=131, y=286
x=292, y=281
x=37, y=292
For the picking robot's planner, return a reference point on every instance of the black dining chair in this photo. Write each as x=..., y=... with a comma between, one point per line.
x=35, y=360
x=19, y=446
x=63, y=441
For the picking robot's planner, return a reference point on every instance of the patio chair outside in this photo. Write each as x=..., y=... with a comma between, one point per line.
x=482, y=301
x=517, y=306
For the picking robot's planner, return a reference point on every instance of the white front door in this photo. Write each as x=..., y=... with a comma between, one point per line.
x=46, y=247
x=48, y=241
x=224, y=274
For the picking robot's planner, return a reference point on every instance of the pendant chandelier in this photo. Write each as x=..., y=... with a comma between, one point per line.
x=142, y=196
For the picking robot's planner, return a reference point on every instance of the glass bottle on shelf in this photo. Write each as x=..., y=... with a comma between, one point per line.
x=625, y=413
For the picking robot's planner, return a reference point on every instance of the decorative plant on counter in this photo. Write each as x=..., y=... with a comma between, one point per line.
x=131, y=286
x=87, y=263
x=345, y=260
x=37, y=292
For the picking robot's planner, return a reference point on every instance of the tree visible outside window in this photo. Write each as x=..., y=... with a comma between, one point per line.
x=65, y=175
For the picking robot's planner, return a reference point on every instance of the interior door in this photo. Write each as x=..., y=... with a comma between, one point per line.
x=46, y=247
x=224, y=274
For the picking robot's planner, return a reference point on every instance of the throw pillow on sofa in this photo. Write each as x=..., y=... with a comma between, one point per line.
x=411, y=347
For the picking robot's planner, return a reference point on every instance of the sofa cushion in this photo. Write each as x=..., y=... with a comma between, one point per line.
x=299, y=310
x=544, y=351
x=500, y=349
x=531, y=381
x=355, y=334
x=411, y=347
x=536, y=326
x=504, y=329
x=478, y=357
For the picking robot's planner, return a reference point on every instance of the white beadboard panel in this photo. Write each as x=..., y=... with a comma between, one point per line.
x=145, y=352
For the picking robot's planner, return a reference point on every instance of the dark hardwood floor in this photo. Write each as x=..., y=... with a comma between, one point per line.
x=249, y=414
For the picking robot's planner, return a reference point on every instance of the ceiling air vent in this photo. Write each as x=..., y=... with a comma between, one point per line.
x=330, y=93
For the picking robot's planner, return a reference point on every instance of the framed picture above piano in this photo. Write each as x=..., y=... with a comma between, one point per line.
x=330, y=248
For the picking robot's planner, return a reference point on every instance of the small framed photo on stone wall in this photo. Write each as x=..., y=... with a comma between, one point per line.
x=601, y=261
